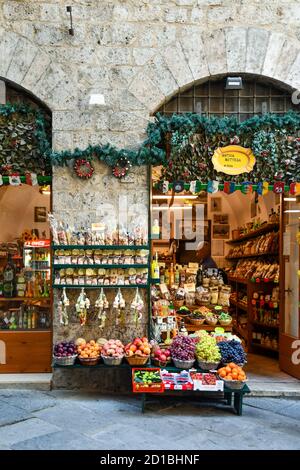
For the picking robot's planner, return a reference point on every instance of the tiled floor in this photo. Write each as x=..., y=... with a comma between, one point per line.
x=266, y=379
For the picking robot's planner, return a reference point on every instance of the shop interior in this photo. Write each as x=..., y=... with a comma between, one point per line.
x=25, y=272
x=230, y=277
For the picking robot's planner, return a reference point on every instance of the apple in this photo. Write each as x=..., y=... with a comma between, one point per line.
x=167, y=353
x=158, y=351
x=138, y=342
x=129, y=353
x=163, y=357
x=133, y=348
x=139, y=353
x=144, y=339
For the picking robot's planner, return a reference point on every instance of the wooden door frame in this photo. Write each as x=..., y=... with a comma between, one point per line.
x=286, y=341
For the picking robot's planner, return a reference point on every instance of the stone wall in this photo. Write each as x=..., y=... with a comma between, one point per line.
x=137, y=53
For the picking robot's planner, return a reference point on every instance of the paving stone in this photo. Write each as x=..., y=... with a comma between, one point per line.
x=30, y=428
x=10, y=414
x=29, y=400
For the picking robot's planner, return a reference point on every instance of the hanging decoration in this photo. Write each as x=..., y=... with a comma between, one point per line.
x=247, y=187
x=1, y=180
x=83, y=168
x=119, y=309
x=137, y=308
x=63, y=305
x=213, y=187
x=82, y=306
x=278, y=187
x=121, y=168
x=102, y=306
x=14, y=179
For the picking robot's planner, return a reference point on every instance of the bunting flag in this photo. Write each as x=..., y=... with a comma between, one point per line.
x=165, y=187
x=229, y=187
x=278, y=187
x=293, y=189
x=259, y=188
x=31, y=179
x=265, y=188
x=247, y=187
x=14, y=179
x=195, y=186
x=178, y=186
x=212, y=187
x=1, y=180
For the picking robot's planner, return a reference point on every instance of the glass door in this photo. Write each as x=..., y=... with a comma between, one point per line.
x=289, y=356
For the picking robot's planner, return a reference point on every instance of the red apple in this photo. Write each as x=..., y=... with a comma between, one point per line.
x=163, y=357
x=133, y=348
x=167, y=353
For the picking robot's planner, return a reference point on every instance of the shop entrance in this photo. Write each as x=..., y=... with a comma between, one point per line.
x=250, y=251
x=25, y=247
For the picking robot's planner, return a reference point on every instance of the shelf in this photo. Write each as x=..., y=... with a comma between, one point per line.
x=265, y=325
x=264, y=229
x=262, y=346
x=243, y=332
x=118, y=286
x=99, y=266
x=239, y=305
x=23, y=299
x=33, y=270
x=191, y=327
x=26, y=330
x=238, y=281
x=155, y=281
x=100, y=247
x=255, y=255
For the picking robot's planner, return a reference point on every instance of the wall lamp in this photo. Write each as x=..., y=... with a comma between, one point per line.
x=234, y=83
x=71, y=30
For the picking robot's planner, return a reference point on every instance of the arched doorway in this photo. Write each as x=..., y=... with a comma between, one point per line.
x=25, y=261
x=265, y=316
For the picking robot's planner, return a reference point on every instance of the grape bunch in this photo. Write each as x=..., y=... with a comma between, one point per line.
x=65, y=349
x=207, y=349
x=232, y=351
x=183, y=348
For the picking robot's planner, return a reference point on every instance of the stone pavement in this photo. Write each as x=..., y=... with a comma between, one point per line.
x=77, y=420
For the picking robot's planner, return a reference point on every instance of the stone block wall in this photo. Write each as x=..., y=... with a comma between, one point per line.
x=137, y=53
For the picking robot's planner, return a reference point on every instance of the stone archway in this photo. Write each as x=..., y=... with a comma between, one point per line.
x=197, y=56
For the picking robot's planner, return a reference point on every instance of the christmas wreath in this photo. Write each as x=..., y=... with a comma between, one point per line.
x=83, y=168
x=121, y=168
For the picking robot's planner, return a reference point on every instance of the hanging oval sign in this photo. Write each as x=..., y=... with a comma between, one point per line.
x=233, y=160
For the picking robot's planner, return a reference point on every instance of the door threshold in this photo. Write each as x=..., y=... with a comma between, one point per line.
x=33, y=381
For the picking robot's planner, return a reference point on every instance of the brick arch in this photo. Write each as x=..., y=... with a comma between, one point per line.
x=25, y=64
x=196, y=56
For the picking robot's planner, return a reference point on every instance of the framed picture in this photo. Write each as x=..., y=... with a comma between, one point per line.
x=221, y=218
x=40, y=214
x=216, y=204
x=220, y=232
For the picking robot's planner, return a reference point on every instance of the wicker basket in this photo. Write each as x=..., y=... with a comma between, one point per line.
x=112, y=361
x=136, y=360
x=183, y=364
x=196, y=321
x=234, y=384
x=178, y=303
x=225, y=322
x=158, y=363
x=65, y=361
x=211, y=321
x=204, y=365
x=89, y=361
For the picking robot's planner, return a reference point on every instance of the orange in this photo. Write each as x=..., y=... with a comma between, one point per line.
x=222, y=373
x=240, y=377
x=92, y=342
x=228, y=377
x=232, y=365
x=234, y=375
x=228, y=369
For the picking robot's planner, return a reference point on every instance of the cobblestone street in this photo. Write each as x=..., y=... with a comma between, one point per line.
x=72, y=420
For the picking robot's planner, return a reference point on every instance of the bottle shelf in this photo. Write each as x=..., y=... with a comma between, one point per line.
x=25, y=330
x=265, y=325
x=99, y=266
x=269, y=227
x=262, y=346
x=100, y=247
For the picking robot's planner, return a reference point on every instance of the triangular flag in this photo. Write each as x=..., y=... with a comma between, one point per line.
x=165, y=186
x=265, y=188
x=226, y=188
x=195, y=186
x=1, y=180
x=259, y=188
x=293, y=189
x=14, y=179
x=246, y=187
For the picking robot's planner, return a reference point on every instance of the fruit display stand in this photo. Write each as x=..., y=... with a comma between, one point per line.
x=231, y=398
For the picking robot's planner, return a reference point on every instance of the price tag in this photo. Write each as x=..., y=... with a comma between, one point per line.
x=190, y=287
x=177, y=387
x=6, y=320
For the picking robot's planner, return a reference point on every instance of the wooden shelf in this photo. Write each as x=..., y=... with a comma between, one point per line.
x=264, y=229
x=265, y=325
x=191, y=327
x=99, y=266
x=262, y=346
x=238, y=281
x=121, y=286
x=100, y=247
x=239, y=305
x=255, y=255
x=23, y=299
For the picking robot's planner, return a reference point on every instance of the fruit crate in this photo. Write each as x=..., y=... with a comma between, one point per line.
x=151, y=388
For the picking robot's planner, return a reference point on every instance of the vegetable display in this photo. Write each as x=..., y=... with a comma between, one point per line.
x=147, y=377
x=183, y=348
x=232, y=351
x=207, y=349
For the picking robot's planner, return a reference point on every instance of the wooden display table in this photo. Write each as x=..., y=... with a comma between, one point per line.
x=216, y=397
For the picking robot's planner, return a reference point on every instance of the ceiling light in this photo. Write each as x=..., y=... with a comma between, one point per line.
x=175, y=197
x=292, y=211
x=97, y=99
x=290, y=199
x=234, y=83
x=164, y=208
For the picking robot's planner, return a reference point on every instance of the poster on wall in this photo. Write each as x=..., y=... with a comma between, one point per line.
x=220, y=232
x=221, y=219
x=215, y=204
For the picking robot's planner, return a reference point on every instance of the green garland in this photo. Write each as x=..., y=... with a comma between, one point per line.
x=25, y=143
x=272, y=137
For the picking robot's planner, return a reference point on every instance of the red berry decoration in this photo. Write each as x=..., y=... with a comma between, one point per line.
x=121, y=168
x=83, y=168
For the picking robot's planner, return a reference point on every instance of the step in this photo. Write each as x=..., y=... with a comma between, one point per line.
x=26, y=381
